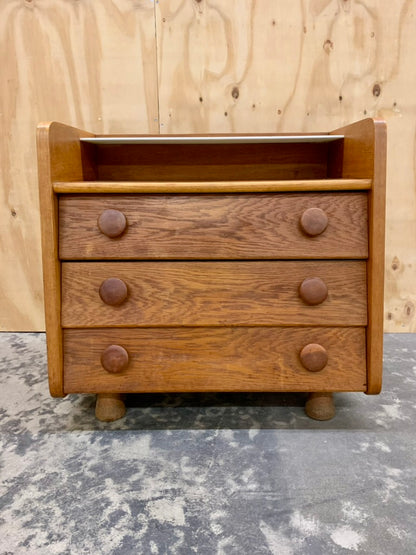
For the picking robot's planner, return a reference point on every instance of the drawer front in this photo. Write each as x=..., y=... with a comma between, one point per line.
x=213, y=293
x=214, y=359
x=213, y=226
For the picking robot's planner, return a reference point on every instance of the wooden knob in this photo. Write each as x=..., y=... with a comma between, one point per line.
x=314, y=221
x=113, y=291
x=115, y=359
x=313, y=357
x=112, y=223
x=313, y=291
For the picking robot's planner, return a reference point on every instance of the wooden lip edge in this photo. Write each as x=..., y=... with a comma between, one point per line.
x=211, y=139
x=68, y=390
x=214, y=186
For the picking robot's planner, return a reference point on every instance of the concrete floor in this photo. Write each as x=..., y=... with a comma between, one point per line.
x=210, y=474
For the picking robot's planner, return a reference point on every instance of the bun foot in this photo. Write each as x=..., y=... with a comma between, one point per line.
x=320, y=406
x=109, y=407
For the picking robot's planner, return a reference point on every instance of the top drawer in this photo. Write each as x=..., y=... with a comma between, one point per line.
x=213, y=226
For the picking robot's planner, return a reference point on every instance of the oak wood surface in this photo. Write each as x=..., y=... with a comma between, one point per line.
x=365, y=154
x=355, y=156
x=376, y=261
x=219, y=172
x=215, y=359
x=225, y=226
x=214, y=293
x=59, y=156
x=234, y=186
x=211, y=162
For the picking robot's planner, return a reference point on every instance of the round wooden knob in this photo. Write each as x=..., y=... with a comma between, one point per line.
x=313, y=291
x=314, y=221
x=113, y=291
x=112, y=223
x=313, y=357
x=115, y=359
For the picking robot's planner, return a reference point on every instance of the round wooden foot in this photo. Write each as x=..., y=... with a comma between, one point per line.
x=109, y=407
x=320, y=406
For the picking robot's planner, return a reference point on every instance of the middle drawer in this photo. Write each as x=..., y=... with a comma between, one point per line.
x=141, y=294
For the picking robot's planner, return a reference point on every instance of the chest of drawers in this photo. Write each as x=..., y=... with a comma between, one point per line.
x=244, y=263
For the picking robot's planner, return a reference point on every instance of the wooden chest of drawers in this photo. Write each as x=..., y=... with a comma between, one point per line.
x=213, y=263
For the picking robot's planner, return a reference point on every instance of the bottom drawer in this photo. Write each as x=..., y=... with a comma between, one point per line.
x=213, y=359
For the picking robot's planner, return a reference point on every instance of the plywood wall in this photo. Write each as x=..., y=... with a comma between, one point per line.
x=90, y=64
x=202, y=66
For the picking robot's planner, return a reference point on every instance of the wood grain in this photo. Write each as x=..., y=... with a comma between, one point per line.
x=211, y=172
x=89, y=64
x=303, y=66
x=355, y=156
x=376, y=261
x=59, y=156
x=203, y=162
x=214, y=226
x=214, y=293
x=228, y=359
x=365, y=154
x=237, y=186
x=222, y=66
x=282, y=66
